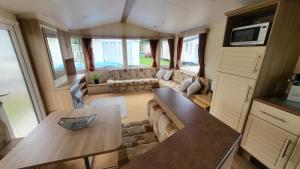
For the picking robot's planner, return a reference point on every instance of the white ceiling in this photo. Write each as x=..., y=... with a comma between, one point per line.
x=161, y=15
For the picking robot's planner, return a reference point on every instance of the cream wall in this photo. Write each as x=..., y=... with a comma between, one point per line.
x=213, y=49
x=121, y=30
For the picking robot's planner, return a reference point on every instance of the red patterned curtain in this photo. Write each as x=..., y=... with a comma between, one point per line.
x=179, y=49
x=171, y=48
x=153, y=46
x=201, y=52
x=87, y=43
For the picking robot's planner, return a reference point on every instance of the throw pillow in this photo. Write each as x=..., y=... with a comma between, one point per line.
x=193, y=88
x=185, y=84
x=160, y=74
x=168, y=75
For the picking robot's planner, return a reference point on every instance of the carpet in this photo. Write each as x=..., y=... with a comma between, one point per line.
x=118, y=100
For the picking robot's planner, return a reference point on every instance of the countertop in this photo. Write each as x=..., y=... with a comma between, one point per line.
x=203, y=143
x=281, y=103
x=71, y=80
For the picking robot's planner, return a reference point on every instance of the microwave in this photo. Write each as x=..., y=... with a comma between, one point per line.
x=249, y=35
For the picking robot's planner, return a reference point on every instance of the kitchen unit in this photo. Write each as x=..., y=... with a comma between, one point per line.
x=271, y=133
x=249, y=71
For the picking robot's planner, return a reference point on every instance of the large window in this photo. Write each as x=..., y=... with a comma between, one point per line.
x=165, y=54
x=189, y=55
x=78, y=53
x=108, y=53
x=138, y=53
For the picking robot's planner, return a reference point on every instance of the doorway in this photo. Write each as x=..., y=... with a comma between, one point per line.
x=16, y=98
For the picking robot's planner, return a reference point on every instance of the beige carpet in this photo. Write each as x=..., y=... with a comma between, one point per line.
x=136, y=107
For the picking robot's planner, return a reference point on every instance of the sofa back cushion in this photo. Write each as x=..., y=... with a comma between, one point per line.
x=133, y=73
x=205, y=84
x=179, y=76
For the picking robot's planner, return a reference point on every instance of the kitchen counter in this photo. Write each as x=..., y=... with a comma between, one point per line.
x=281, y=103
x=204, y=142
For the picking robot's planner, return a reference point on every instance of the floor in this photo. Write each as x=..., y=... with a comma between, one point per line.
x=136, y=107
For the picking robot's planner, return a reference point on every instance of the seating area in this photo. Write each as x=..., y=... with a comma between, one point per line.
x=137, y=79
x=140, y=137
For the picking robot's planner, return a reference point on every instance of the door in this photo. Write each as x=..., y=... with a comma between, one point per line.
x=268, y=143
x=242, y=61
x=18, y=103
x=231, y=99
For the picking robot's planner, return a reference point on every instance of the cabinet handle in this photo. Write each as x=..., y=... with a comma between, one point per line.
x=256, y=64
x=274, y=117
x=248, y=92
x=286, y=148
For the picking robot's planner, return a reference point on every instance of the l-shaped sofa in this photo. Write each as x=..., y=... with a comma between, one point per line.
x=136, y=79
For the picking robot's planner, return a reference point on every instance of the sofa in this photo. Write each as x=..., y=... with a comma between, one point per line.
x=140, y=137
x=179, y=76
x=125, y=80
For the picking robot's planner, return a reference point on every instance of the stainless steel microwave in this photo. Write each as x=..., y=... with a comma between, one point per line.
x=249, y=35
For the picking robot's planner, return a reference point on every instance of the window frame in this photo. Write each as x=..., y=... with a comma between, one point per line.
x=188, y=48
x=84, y=69
x=124, y=55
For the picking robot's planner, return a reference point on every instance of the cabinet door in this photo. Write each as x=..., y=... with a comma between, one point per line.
x=269, y=144
x=231, y=99
x=294, y=161
x=242, y=61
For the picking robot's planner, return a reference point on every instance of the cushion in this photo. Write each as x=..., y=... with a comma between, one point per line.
x=185, y=84
x=165, y=128
x=160, y=74
x=168, y=75
x=194, y=88
x=156, y=117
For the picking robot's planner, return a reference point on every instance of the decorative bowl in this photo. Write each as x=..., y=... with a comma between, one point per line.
x=77, y=122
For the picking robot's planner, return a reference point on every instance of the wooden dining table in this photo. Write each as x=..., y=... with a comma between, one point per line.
x=50, y=143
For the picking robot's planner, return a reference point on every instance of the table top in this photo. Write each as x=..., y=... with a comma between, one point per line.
x=50, y=143
x=204, y=142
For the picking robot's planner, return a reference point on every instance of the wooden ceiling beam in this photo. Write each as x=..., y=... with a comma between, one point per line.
x=127, y=9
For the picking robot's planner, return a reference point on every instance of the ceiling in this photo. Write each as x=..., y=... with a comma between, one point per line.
x=169, y=16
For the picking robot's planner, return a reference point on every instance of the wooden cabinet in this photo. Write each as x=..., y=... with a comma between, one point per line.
x=232, y=99
x=268, y=143
x=294, y=161
x=65, y=44
x=242, y=61
x=271, y=135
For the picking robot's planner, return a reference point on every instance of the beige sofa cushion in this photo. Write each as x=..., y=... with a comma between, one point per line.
x=179, y=76
x=165, y=128
x=156, y=117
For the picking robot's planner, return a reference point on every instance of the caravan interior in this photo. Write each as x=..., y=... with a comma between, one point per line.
x=140, y=84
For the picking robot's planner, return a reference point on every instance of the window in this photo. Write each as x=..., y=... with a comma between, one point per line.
x=189, y=56
x=78, y=53
x=165, y=54
x=108, y=53
x=138, y=53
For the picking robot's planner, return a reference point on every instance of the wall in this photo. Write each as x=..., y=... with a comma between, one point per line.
x=213, y=49
x=121, y=30
x=7, y=17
